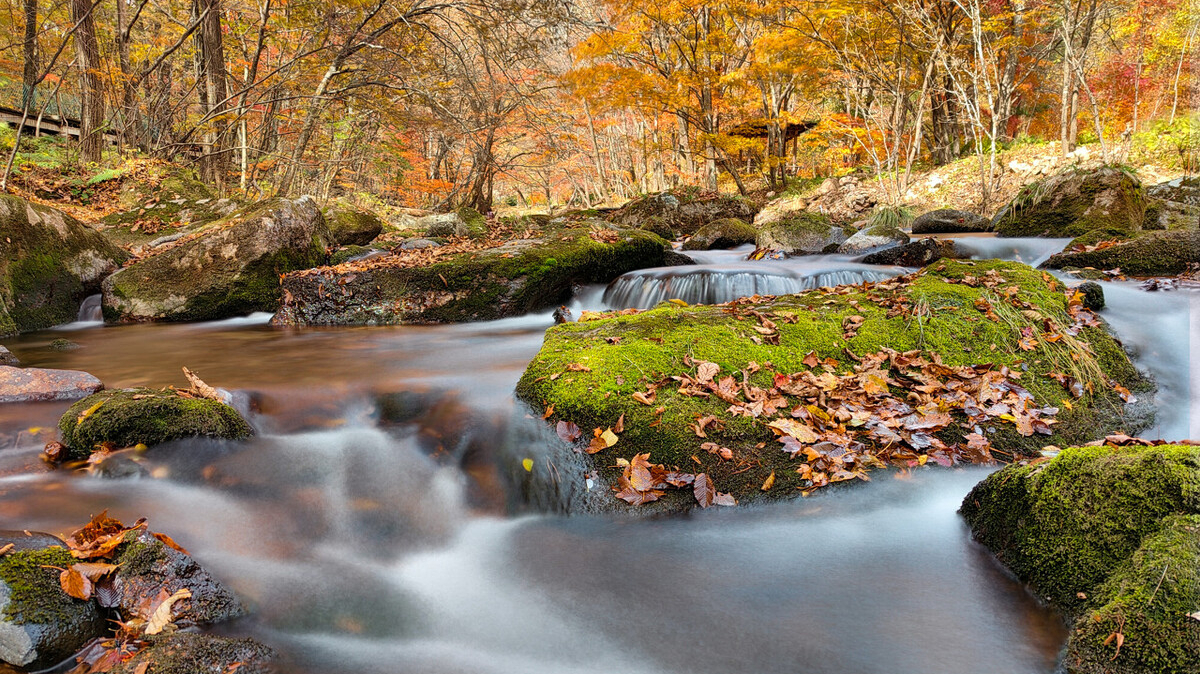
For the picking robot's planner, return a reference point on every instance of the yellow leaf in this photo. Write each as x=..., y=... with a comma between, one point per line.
x=769, y=482
x=162, y=615
x=679, y=303
x=528, y=465
x=609, y=438
x=88, y=412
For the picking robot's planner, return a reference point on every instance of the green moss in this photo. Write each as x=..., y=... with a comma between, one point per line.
x=723, y=233
x=351, y=226
x=35, y=594
x=1103, y=234
x=130, y=416
x=1073, y=203
x=137, y=557
x=192, y=653
x=658, y=226
x=475, y=222
x=626, y=353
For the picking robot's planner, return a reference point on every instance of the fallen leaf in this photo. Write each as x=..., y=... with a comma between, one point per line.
x=527, y=464
x=568, y=431
x=769, y=482
x=162, y=616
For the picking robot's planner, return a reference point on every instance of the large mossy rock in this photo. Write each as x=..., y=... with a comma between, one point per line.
x=1151, y=254
x=1074, y=202
x=588, y=373
x=723, y=233
x=1110, y=536
x=232, y=269
x=127, y=417
x=351, y=226
x=147, y=567
x=509, y=280
x=40, y=625
x=682, y=211
x=802, y=233
x=49, y=262
x=871, y=239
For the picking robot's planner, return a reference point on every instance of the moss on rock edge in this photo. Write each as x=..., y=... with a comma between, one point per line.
x=1111, y=536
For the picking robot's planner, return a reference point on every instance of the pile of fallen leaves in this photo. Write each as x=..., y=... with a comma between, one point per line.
x=93, y=577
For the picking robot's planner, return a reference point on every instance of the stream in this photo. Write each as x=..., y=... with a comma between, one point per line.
x=369, y=530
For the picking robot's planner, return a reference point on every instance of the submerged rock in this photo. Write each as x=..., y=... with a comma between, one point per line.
x=1152, y=254
x=509, y=280
x=232, y=269
x=1074, y=202
x=871, y=239
x=801, y=234
x=31, y=384
x=49, y=262
x=40, y=625
x=1111, y=537
x=351, y=226
x=7, y=358
x=1093, y=295
x=723, y=233
x=914, y=254
x=127, y=417
x=950, y=221
x=681, y=211
x=755, y=352
x=191, y=653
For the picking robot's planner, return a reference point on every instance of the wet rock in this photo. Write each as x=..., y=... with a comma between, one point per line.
x=1074, y=202
x=950, y=221
x=676, y=259
x=22, y=540
x=40, y=625
x=1174, y=204
x=1093, y=295
x=563, y=315
x=149, y=567
x=31, y=384
x=720, y=234
x=1111, y=537
x=192, y=653
x=661, y=419
x=62, y=345
x=516, y=278
x=802, y=234
x=418, y=244
x=127, y=417
x=1151, y=254
x=7, y=358
x=49, y=262
x=914, y=254
x=351, y=226
x=871, y=239
x=233, y=269
x=658, y=226
x=682, y=211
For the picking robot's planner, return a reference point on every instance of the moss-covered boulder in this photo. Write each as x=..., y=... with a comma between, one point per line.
x=683, y=211
x=350, y=226
x=49, y=262
x=646, y=372
x=658, y=226
x=803, y=233
x=192, y=653
x=233, y=268
x=723, y=233
x=516, y=278
x=1111, y=536
x=159, y=202
x=1152, y=254
x=1174, y=204
x=950, y=221
x=1073, y=202
x=40, y=625
x=463, y=222
x=148, y=566
x=873, y=238
x=127, y=417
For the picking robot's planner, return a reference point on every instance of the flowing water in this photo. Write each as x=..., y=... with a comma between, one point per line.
x=368, y=526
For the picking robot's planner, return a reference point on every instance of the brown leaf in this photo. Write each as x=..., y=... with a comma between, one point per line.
x=703, y=490
x=549, y=412
x=170, y=543
x=811, y=360
x=619, y=427
x=200, y=388
x=578, y=367
x=705, y=371
x=75, y=584
x=645, y=398
x=568, y=431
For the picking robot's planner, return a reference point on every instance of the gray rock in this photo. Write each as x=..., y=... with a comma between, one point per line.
x=802, y=234
x=950, y=221
x=873, y=239
x=1174, y=204
x=418, y=244
x=914, y=254
x=31, y=384
x=232, y=270
x=40, y=625
x=443, y=225
x=7, y=358
x=351, y=226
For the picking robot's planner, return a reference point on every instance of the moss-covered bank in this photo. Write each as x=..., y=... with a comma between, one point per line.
x=127, y=417
x=513, y=279
x=1110, y=536
x=588, y=372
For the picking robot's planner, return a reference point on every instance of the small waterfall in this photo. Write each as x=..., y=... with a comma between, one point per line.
x=89, y=311
x=716, y=284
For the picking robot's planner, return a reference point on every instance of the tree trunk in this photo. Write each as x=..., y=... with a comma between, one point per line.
x=210, y=57
x=91, y=122
x=30, y=72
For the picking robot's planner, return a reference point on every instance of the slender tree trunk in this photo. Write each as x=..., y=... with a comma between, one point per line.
x=91, y=122
x=29, y=52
